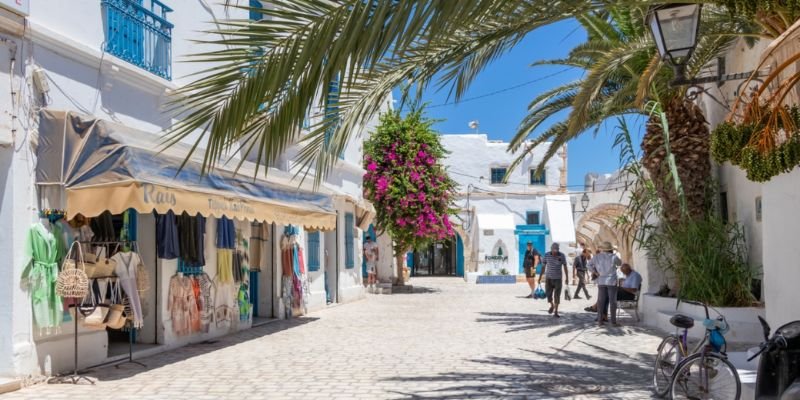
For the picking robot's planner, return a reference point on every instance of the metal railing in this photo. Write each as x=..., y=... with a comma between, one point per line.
x=138, y=32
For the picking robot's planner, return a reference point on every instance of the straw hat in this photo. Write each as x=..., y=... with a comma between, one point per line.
x=605, y=246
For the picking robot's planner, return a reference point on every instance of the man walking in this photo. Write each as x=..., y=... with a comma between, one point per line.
x=604, y=265
x=529, y=263
x=579, y=266
x=554, y=261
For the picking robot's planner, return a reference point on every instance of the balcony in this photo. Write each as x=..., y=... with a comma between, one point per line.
x=138, y=32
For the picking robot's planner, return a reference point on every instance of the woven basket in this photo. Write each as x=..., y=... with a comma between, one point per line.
x=72, y=281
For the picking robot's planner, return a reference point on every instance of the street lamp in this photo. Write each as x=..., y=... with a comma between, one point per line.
x=585, y=201
x=675, y=28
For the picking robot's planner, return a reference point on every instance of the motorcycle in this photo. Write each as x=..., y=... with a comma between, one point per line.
x=779, y=367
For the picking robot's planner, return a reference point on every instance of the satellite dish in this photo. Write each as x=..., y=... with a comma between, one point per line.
x=474, y=125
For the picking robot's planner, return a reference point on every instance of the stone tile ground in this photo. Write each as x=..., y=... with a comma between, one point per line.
x=447, y=340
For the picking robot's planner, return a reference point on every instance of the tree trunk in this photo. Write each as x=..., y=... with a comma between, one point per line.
x=400, y=276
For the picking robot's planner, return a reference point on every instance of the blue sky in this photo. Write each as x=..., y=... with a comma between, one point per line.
x=500, y=114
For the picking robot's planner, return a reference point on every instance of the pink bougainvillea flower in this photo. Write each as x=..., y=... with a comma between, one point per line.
x=372, y=166
x=382, y=184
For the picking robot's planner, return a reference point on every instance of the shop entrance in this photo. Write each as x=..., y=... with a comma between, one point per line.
x=438, y=259
x=262, y=283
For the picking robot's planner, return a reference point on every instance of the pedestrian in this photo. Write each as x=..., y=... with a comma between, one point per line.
x=579, y=268
x=554, y=262
x=629, y=282
x=529, y=263
x=371, y=254
x=604, y=266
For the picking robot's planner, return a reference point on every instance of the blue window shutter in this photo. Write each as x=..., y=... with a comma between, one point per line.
x=254, y=15
x=313, y=251
x=498, y=174
x=138, y=32
x=538, y=179
x=349, y=242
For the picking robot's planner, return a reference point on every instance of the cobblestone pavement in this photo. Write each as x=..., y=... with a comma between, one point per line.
x=447, y=340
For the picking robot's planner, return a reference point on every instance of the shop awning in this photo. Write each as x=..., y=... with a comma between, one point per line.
x=559, y=218
x=496, y=221
x=99, y=165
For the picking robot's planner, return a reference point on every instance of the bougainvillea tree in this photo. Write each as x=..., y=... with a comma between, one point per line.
x=406, y=182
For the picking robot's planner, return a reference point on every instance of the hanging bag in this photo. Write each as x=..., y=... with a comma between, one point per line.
x=566, y=294
x=142, y=276
x=539, y=293
x=103, y=265
x=116, y=313
x=72, y=281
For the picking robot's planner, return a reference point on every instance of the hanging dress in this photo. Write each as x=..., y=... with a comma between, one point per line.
x=126, y=276
x=41, y=272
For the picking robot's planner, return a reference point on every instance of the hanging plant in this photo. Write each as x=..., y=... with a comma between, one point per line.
x=764, y=149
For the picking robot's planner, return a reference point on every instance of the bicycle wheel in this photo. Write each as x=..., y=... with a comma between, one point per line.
x=708, y=376
x=666, y=361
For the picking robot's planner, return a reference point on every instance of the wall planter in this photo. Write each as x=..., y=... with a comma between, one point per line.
x=497, y=279
x=745, y=328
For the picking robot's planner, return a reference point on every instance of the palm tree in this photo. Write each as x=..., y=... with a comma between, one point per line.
x=269, y=75
x=623, y=72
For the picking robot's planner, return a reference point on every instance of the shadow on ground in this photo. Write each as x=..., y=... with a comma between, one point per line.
x=567, y=374
x=568, y=323
x=110, y=373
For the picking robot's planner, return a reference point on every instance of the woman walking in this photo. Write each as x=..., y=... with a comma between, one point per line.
x=604, y=265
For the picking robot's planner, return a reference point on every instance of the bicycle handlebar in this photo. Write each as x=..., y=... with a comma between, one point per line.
x=777, y=341
x=697, y=303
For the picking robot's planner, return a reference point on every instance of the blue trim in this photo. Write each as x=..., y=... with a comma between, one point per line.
x=138, y=32
x=254, y=292
x=349, y=242
x=255, y=15
x=532, y=230
x=313, y=251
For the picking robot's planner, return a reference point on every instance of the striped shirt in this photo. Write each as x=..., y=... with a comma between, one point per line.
x=553, y=264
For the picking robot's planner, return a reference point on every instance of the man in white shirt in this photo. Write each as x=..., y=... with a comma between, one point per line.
x=604, y=267
x=630, y=283
x=371, y=254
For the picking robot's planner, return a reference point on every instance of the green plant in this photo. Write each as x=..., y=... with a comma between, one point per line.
x=503, y=271
x=738, y=144
x=707, y=257
x=488, y=272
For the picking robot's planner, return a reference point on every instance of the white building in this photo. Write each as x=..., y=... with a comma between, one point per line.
x=497, y=219
x=111, y=73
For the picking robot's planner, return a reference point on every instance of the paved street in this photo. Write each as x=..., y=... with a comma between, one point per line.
x=448, y=340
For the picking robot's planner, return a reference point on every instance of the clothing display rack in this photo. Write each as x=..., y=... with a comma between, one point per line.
x=75, y=378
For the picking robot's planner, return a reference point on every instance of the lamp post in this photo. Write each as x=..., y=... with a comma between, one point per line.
x=675, y=28
x=585, y=201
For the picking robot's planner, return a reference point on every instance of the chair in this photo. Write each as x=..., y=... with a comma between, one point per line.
x=630, y=304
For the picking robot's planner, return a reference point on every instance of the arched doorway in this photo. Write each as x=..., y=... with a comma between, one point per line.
x=599, y=224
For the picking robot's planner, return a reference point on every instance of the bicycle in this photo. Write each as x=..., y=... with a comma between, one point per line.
x=705, y=373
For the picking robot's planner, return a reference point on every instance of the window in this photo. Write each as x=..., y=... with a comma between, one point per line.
x=313, y=251
x=723, y=206
x=349, y=243
x=255, y=15
x=498, y=174
x=532, y=218
x=538, y=179
x=138, y=32
x=332, y=111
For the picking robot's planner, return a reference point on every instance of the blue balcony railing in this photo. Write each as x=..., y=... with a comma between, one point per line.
x=138, y=32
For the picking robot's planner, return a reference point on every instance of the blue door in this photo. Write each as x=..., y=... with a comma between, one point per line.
x=530, y=233
x=459, y=256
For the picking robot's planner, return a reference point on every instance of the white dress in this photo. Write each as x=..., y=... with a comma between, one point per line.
x=126, y=276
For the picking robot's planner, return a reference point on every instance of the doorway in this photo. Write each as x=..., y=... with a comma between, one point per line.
x=438, y=259
x=262, y=283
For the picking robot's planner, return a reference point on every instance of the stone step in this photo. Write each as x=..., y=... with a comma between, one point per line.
x=9, y=385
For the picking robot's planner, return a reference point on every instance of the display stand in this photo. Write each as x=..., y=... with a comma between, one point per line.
x=75, y=378
x=130, y=349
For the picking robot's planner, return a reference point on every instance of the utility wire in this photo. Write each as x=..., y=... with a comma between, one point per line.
x=500, y=91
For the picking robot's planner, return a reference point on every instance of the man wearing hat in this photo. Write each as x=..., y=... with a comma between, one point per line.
x=554, y=262
x=529, y=263
x=604, y=266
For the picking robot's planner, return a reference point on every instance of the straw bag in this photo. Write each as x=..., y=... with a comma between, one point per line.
x=96, y=318
x=116, y=312
x=72, y=281
x=103, y=266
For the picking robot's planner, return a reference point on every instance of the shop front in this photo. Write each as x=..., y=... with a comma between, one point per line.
x=441, y=258
x=174, y=255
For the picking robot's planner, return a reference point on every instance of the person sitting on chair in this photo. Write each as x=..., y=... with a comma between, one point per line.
x=627, y=287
